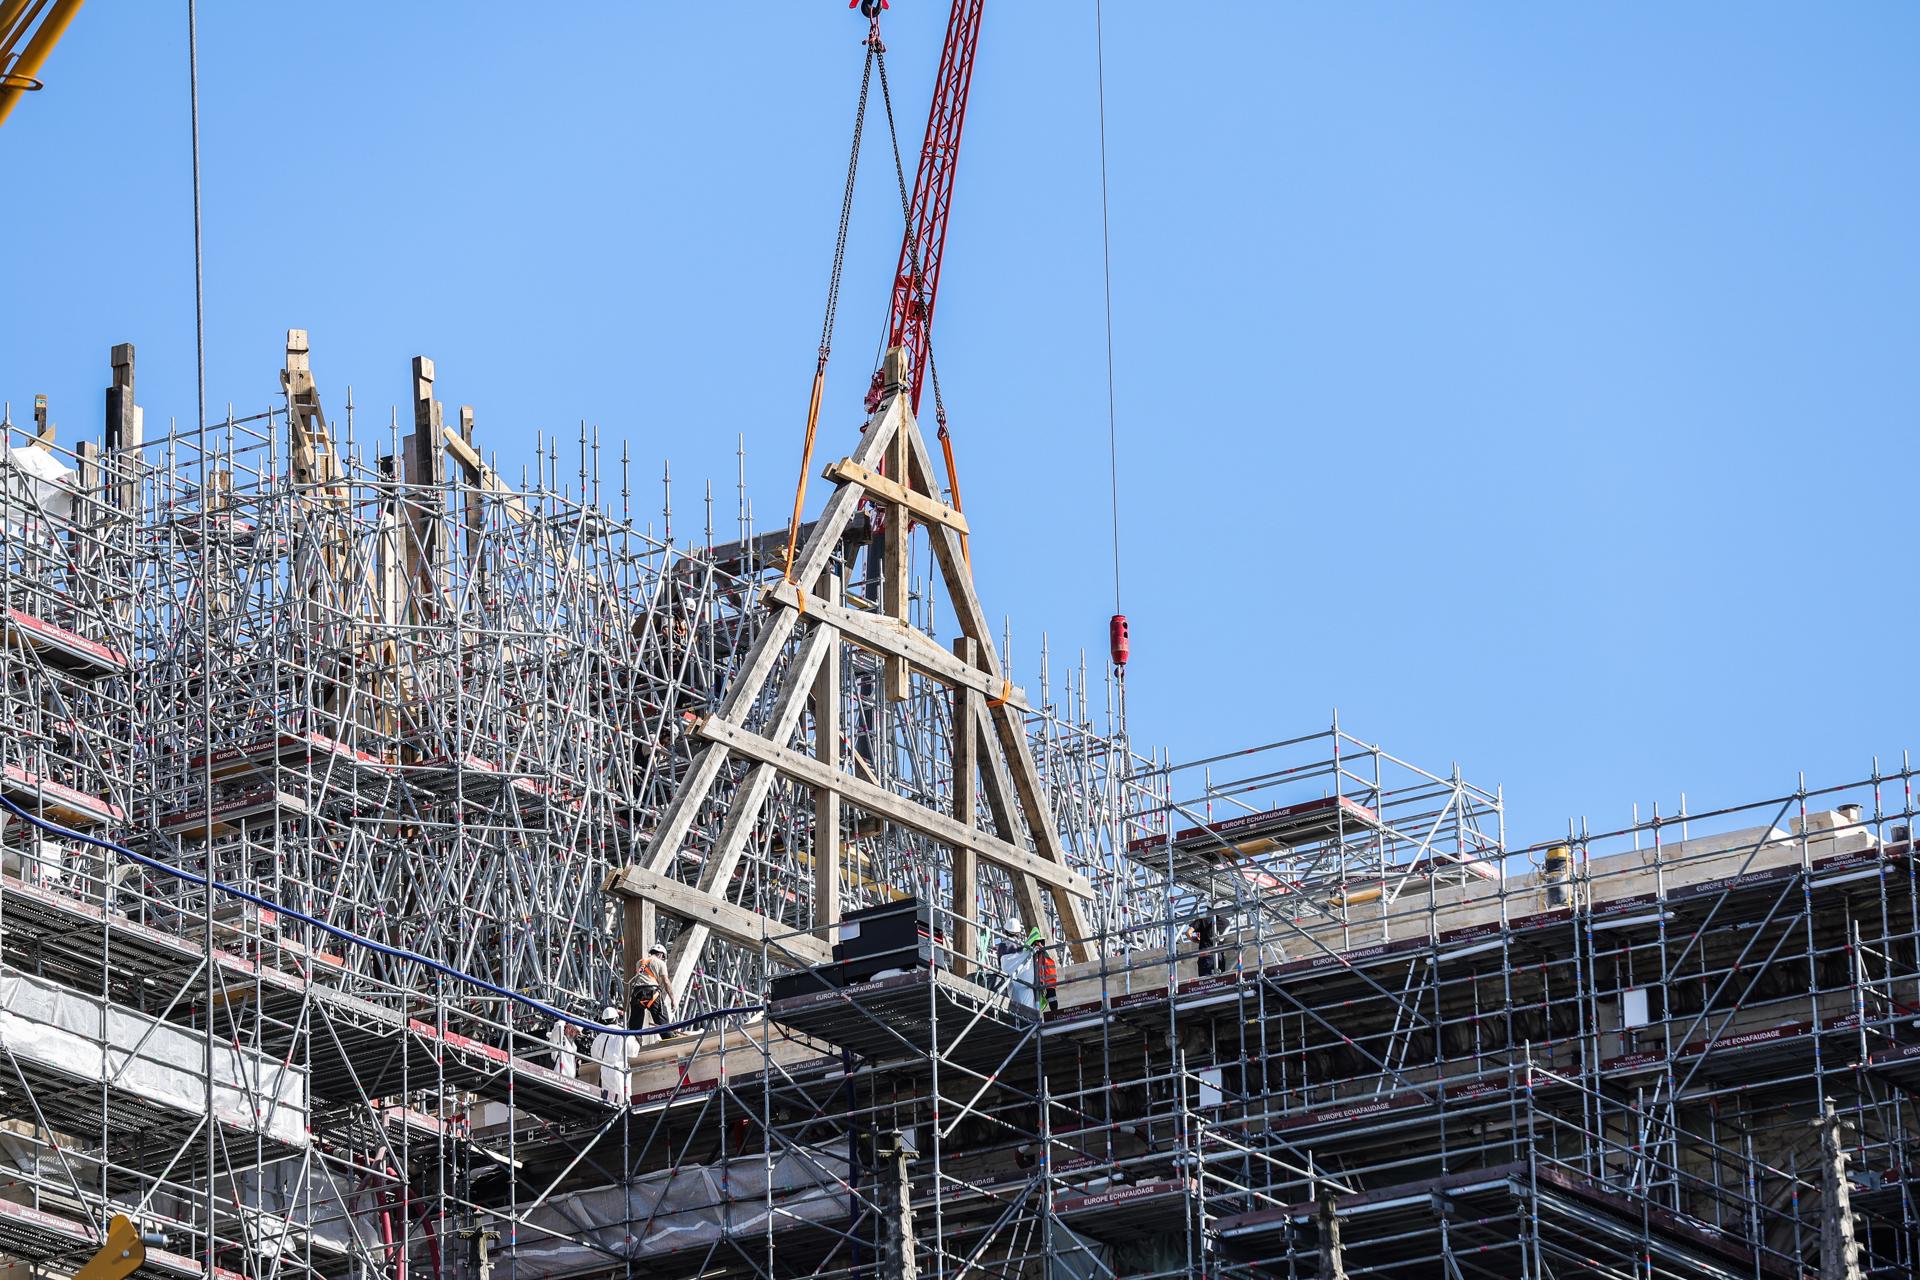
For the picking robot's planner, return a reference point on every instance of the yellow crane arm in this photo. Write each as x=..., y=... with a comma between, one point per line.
x=20, y=71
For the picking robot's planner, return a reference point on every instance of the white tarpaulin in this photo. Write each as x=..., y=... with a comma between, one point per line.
x=35, y=484
x=58, y=1029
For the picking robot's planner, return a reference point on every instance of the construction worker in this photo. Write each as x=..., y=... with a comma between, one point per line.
x=610, y=1054
x=1205, y=935
x=652, y=993
x=560, y=1039
x=1556, y=873
x=1046, y=974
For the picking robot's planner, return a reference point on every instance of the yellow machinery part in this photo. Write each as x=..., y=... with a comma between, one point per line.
x=121, y=1255
x=19, y=72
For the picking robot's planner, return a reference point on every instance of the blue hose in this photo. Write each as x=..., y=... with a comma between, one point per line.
x=359, y=940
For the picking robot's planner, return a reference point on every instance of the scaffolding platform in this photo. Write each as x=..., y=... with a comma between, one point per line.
x=468, y=776
x=1130, y=1211
x=1395, y=1229
x=362, y=1050
x=66, y=805
x=355, y=1042
x=1308, y=822
x=1404, y=1214
x=921, y=1011
x=35, y=1235
x=231, y=812
x=57, y=646
x=1687, y=1246
x=1587, y=1230
x=307, y=749
x=73, y=1055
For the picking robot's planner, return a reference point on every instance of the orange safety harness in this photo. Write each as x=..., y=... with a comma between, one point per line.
x=651, y=977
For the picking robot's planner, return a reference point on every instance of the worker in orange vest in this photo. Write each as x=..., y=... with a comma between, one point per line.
x=1046, y=974
x=652, y=993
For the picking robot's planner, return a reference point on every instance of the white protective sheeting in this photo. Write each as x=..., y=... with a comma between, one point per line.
x=679, y=1209
x=57, y=1029
x=35, y=484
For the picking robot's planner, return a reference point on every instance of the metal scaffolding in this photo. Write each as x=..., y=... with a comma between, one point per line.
x=408, y=709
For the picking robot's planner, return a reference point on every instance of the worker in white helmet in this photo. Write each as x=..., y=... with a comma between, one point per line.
x=610, y=1052
x=560, y=1036
x=652, y=992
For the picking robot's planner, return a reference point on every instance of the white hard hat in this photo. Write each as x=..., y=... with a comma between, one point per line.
x=610, y=1014
x=656, y=950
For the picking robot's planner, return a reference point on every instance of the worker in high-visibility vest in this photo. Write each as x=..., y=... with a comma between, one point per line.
x=1046, y=974
x=652, y=993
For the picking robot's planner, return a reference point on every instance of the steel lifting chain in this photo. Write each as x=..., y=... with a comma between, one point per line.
x=833, y=307
x=846, y=207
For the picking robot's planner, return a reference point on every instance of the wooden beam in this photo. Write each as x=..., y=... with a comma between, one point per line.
x=1001, y=794
x=883, y=635
x=896, y=809
x=826, y=800
x=966, y=809
x=749, y=928
x=467, y=456
x=743, y=814
x=923, y=508
x=893, y=567
x=476, y=505
x=485, y=478
x=423, y=473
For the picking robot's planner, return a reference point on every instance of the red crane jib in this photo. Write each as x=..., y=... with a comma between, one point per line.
x=911, y=316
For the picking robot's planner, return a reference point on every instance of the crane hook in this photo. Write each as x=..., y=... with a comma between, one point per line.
x=870, y=10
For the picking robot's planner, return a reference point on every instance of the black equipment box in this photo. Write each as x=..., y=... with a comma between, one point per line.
x=893, y=935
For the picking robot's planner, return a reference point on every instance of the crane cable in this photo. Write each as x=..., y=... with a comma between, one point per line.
x=920, y=293
x=1106, y=266
x=826, y=323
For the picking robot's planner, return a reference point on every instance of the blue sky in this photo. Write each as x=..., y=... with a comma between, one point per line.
x=1533, y=383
